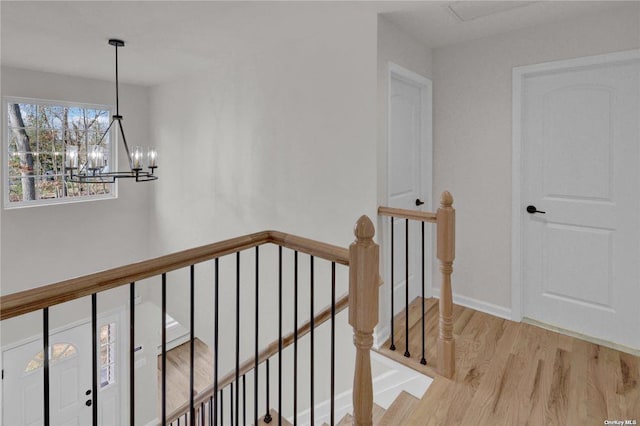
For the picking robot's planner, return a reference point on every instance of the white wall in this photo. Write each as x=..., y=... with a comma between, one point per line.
x=472, y=139
x=36, y=245
x=394, y=45
x=282, y=139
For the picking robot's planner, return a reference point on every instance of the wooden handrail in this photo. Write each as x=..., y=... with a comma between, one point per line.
x=265, y=354
x=316, y=248
x=23, y=302
x=408, y=214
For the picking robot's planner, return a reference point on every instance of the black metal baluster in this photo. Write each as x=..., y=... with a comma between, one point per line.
x=231, y=403
x=45, y=351
x=191, y=344
x=279, y=335
x=211, y=409
x=94, y=360
x=255, y=367
x=201, y=414
x=406, y=288
x=132, y=348
x=311, y=353
x=423, y=361
x=393, y=343
x=244, y=400
x=221, y=407
x=333, y=342
x=215, y=345
x=267, y=417
x=164, y=348
x=237, y=334
x=295, y=338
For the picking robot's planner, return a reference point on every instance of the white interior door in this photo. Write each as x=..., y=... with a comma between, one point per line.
x=580, y=150
x=69, y=375
x=409, y=157
x=70, y=368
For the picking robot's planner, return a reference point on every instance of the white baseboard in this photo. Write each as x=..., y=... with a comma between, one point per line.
x=478, y=305
x=386, y=388
x=153, y=423
x=380, y=335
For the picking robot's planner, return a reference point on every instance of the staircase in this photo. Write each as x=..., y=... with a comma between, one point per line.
x=394, y=415
x=174, y=275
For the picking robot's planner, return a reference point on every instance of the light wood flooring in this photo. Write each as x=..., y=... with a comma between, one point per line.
x=507, y=373
x=511, y=373
x=178, y=360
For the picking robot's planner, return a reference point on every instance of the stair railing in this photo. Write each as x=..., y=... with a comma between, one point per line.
x=444, y=219
x=361, y=258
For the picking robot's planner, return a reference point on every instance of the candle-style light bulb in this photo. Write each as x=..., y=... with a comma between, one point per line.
x=136, y=158
x=96, y=157
x=71, y=157
x=152, y=157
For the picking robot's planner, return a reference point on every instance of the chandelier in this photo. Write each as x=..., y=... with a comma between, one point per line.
x=95, y=169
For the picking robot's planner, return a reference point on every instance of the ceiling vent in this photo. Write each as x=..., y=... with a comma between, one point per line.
x=466, y=11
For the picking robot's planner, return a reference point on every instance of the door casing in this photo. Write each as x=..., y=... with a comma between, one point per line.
x=426, y=183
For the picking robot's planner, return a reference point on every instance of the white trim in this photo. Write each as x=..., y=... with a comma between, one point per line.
x=380, y=335
x=478, y=305
x=426, y=181
x=519, y=74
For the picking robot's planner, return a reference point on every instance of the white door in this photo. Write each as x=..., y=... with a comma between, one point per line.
x=409, y=159
x=69, y=375
x=580, y=150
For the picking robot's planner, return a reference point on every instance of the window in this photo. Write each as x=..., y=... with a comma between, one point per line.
x=107, y=354
x=40, y=138
x=57, y=352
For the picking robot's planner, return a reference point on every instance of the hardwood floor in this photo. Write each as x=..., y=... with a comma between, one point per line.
x=511, y=373
x=178, y=373
x=507, y=373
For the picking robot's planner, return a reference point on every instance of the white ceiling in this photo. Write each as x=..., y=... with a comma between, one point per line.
x=436, y=26
x=167, y=39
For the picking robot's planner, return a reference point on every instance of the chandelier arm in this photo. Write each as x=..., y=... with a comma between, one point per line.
x=106, y=131
x=124, y=142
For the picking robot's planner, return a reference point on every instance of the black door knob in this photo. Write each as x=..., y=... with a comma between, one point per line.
x=88, y=392
x=419, y=202
x=88, y=403
x=533, y=209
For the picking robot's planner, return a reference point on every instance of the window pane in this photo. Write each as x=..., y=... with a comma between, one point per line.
x=28, y=112
x=57, y=352
x=50, y=186
x=51, y=117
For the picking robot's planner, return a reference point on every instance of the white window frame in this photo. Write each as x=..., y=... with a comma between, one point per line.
x=6, y=100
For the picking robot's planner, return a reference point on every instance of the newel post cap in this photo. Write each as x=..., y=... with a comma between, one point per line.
x=446, y=199
x=364, y=229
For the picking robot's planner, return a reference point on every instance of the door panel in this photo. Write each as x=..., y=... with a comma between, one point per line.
x=405, y=135
x=577, y=143
x=580, y=139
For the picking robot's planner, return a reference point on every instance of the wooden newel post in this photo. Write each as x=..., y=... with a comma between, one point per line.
x=364, y=280
x=446, y=225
